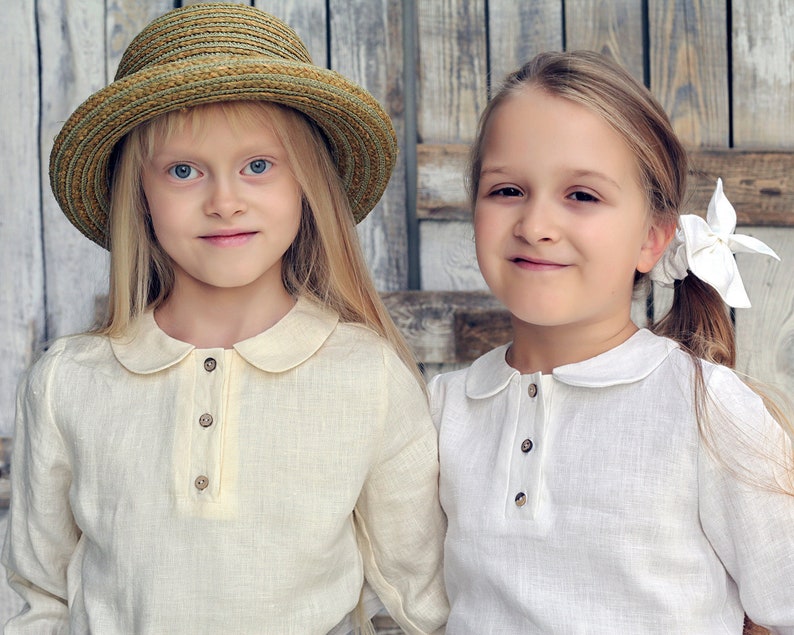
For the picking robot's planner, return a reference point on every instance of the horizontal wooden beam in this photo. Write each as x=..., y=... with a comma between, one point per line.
x=444, y=327
x=760, y=184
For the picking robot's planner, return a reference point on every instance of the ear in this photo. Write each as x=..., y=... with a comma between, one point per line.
x=659, y=236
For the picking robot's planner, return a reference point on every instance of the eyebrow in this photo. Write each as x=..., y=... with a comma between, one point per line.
x=597, y=175
x=493, y=170
x=498, y=169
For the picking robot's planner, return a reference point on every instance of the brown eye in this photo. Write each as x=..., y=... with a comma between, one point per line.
x=507, y=191
x=583, y=197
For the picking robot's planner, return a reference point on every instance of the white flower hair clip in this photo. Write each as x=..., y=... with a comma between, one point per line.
x=706, y=247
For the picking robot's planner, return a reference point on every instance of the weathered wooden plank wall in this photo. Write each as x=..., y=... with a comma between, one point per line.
x=724, y=71
x=728, y=91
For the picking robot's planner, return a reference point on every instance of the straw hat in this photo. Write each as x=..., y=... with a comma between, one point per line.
x=209, y=53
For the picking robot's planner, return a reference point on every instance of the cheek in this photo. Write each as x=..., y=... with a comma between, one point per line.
x=486, y=228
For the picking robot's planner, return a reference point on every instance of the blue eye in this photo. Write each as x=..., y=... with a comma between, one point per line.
x=257, y=166
x=182, y=171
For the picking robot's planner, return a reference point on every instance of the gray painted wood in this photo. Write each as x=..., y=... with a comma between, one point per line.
x=22, y=318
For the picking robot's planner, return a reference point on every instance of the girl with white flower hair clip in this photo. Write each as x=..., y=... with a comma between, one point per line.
x=599, y=477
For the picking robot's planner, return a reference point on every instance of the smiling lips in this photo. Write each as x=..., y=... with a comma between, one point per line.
x=535, y=264
x=233, y=238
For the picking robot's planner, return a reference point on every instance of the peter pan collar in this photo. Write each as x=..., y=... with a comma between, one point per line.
x=291, y=341
x=631, y=361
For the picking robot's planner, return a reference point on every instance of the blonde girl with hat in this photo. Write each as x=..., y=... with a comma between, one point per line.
x=598, y=477
x=246, y=441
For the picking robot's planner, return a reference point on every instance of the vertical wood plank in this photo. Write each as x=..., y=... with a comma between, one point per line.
x=367, y=46
x=125, y=19
x=451, y=70
x=452, y=91
x=308, y=18
x=611, y=27
x=72, y=46
x=689, y=68
x=763, y=112
x=763, y=73
x=765, y=332
x=21, y=258
x=517, y=31
x=449, y=262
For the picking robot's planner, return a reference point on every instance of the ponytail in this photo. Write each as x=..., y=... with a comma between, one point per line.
x=700, y=321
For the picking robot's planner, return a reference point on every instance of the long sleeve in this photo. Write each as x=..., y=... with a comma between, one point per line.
x=400, y=524
x=238, y=466
x=746, y=517
x=42, y=534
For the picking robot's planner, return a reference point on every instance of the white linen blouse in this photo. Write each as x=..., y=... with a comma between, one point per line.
x=158, y=488
x=588, y=502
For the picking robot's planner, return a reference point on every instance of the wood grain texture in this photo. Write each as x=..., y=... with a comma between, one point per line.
x=451, y=69
x=760, y=185
x=367, y=47
x=519, y=31
x=73, y=65
x=449, y=262
x=5, y=465
x=611, y=27
x=308, y=18
x=125, y=19
x=441, y=181
x=21, y=263
x=478, y=331
x=427, y=320
x=689, y=72
x=765, y=332
x=763, y=73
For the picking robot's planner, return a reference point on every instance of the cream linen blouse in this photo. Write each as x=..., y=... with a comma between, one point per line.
x=157, y=488
x=587, y=501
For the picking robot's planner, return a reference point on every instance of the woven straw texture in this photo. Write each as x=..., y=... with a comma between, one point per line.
x=210, y=53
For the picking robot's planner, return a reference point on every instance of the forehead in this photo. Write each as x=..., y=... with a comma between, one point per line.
x=536, y=139
x=536, y=111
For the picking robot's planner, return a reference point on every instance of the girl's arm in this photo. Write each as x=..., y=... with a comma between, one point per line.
x=747, y=500
x=399, y=522
x=42, y=534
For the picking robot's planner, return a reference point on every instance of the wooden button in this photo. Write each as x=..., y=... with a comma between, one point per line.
x=532, y=390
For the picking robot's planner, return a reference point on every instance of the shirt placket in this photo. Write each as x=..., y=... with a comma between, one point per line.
x=525, y=479
x=206, y=426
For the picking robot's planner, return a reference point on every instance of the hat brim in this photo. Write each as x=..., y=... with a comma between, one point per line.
x=358, y=131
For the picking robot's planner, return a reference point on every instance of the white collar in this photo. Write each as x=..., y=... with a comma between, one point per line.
x=631, y=361
x=289, y=342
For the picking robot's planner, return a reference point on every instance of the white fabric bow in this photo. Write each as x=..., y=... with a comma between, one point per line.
x=706, y=248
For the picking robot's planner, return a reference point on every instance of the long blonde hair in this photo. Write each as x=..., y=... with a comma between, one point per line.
x=324, y=263
x=698, y=319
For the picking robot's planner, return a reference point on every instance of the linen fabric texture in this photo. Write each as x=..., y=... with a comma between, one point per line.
x=158, y=488
x=616, y=516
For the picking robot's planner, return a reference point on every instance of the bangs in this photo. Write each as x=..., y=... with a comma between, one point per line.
x=239, y=114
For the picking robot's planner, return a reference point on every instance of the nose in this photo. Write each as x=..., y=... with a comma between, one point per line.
x=536, y=222
x=225, y=199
